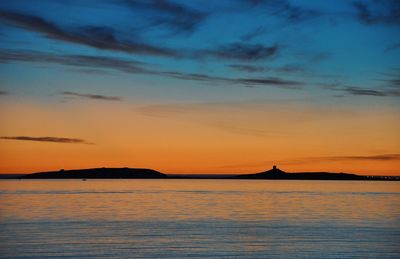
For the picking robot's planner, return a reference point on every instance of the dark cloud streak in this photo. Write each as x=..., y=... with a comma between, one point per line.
x=99, y=37
x=247, y=82
x=385, y=12
x=284, y=9
x=248, y=68
x=49, y=139
x=137, y=68
x=380, y=157
x=177, y=17
x=92, y=96
x=287, y=69
x=383, y=157
x=241, y=51
x=392, y=47
x=310, y=160
x=380, y=91
x=361, y=91
x=253, y=34
x=73, y=60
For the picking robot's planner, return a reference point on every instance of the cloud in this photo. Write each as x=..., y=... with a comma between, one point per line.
x=285, y=10
x=272, y=81
x=49, y=139
x=99, y=37
x=291, y=69
x=385, y=12
x=392, y=47
x=73, y=60
x=247, y=82
x=92, y=96
x=241, y=51
x=380, y=157
x=287, y=69
x=295, y=14
x=383, y=157
x=4, y=92
x=90, y=71
x=392, y=88
x=237, y=117
x=318, y=57
x=310, y=160
x=253, y=34
x=194, y=113
x=236, y=128
x=126, y=66
x=248, y=68
x=177, y=17
x=361, y=91
x=392, y=79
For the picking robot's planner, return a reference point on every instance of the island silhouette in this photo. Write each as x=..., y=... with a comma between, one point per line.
x=276, y=173
x=143, y=173
x=99, y=173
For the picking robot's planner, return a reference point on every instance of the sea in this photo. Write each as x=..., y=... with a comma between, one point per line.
x=199, y=218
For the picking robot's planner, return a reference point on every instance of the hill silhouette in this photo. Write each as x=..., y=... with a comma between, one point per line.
x=144, y=173
x=276, y=173
x=99, y=173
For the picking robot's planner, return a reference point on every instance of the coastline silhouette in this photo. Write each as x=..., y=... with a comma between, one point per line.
x=99, y=173
x=276, y=173
x=144, y=173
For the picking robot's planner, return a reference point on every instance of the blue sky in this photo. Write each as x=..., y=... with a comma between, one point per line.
x=167, y=52
x=339, y=48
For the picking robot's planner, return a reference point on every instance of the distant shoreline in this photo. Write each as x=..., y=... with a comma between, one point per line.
x=144, y=173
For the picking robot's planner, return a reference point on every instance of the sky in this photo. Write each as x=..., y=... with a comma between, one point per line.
x=200, y=87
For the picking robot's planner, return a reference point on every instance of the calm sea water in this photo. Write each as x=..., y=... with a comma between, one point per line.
x=199, y=218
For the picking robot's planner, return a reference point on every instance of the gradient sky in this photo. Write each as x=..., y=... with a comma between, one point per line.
x=200, y=86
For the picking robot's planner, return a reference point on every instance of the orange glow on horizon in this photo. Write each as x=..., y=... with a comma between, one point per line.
x=201, y=139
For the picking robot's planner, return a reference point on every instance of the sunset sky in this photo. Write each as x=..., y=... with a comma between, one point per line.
x=200, y=87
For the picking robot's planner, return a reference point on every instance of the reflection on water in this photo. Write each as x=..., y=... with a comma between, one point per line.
x=200, y=218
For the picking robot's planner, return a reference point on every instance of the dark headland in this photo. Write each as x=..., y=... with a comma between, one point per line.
x=278, y=174
x=99, y=173
x=143, y=173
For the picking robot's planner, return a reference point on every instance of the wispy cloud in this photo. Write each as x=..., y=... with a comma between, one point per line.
x=177, y=17
x=390, y=89
x=4, y=92
x=379, y=157
x=372, y=157
x=381, y=12
x=285, y=10
x=247, y=82
x=236, y=117
x=86, y=61
x=260, y=30
x=99, y=37
x=238, y=129
x=392, y=79
x=392, y=47
x=192, y=112
x=322, y=159
x=126, y=66
x=241, y=51
x=272, y=81
x=291, y=69
x=288, y=69
x=361, y=91
x=248, y=68
x=48, y=139
x=92, y=96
